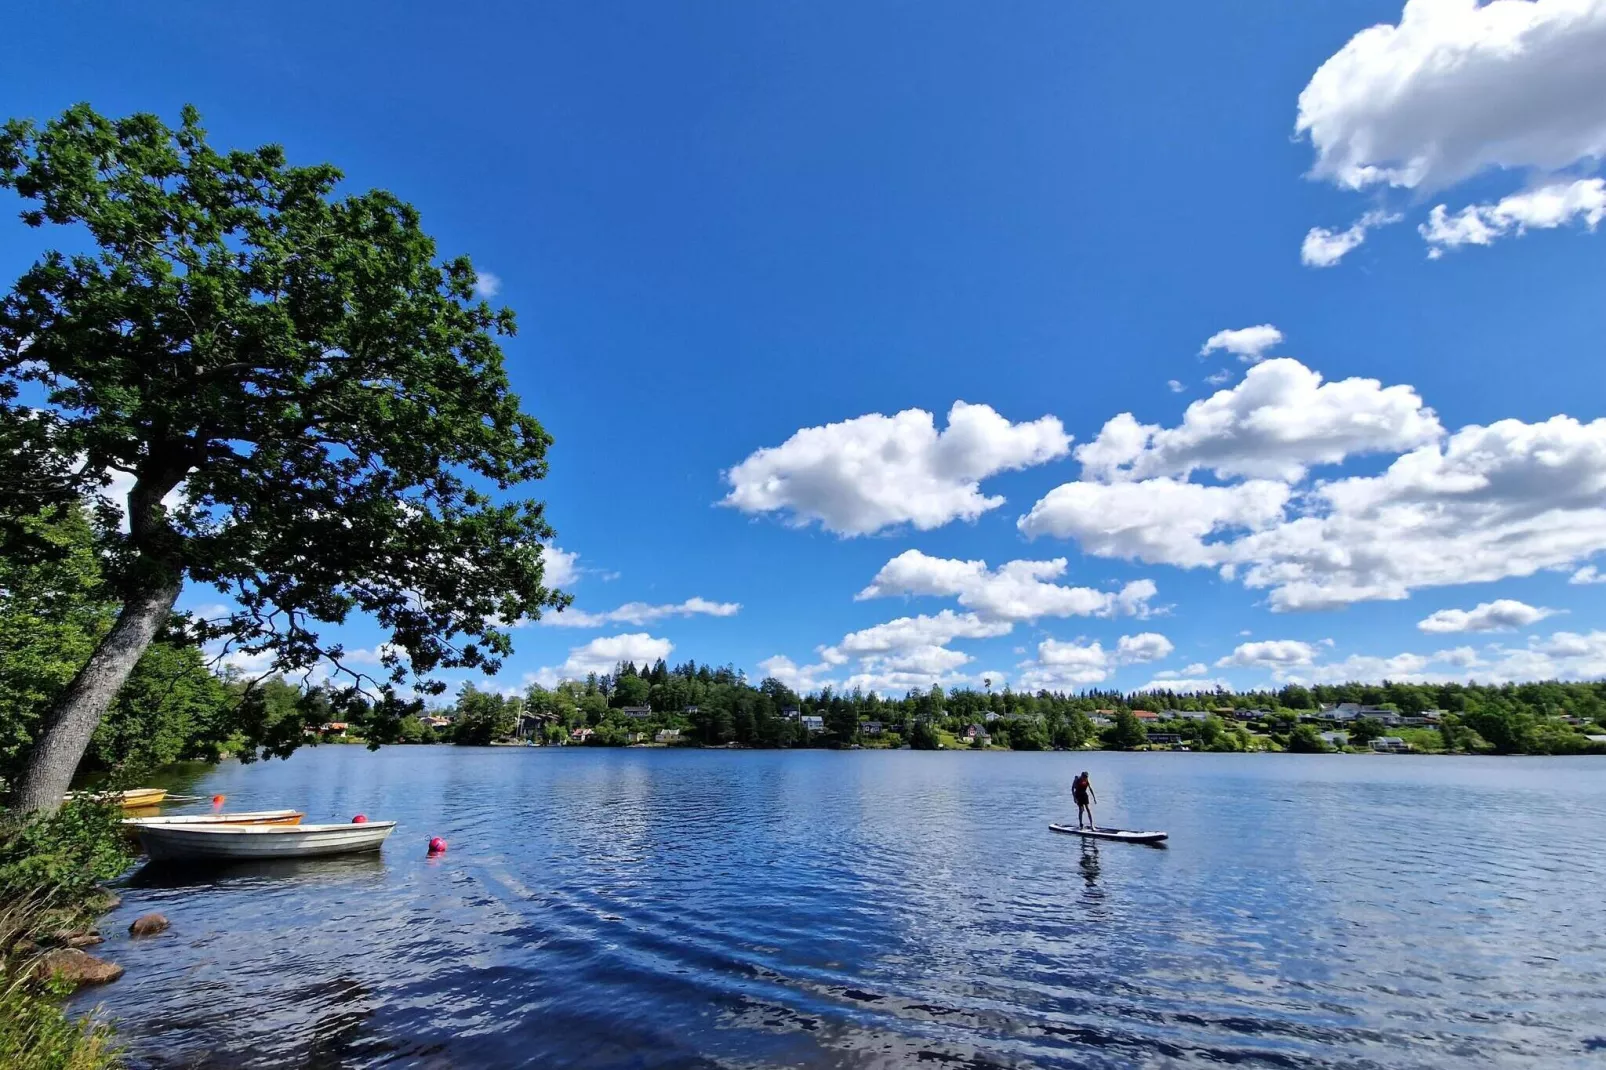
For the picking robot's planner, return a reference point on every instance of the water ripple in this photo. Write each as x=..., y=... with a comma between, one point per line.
x=700, y=910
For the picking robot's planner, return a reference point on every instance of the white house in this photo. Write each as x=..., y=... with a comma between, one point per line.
x=813, y=723
x=1390, y=745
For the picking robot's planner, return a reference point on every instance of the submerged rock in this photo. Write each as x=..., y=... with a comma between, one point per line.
x=77, y=967
x=147, y=925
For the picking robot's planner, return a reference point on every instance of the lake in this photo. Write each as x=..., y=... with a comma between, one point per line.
x=685, y=908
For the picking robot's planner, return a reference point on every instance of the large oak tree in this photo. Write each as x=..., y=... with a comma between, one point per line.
x=310, y=410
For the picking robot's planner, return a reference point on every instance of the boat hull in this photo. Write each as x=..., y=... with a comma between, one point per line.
x=222, y=843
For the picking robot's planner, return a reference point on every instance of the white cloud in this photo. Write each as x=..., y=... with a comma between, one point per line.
x=1223, y=376
x=1323, y=248
x=486, y=284
x=909, y=633
x=1198, y=668
x=1016, y=590
x=1479, y=505
x=1269, y=654
x=1175, y=386
x=1279, y=420
x=560, y=568
x=1145, y=646
x=600, y=656
x=1458, y=87
x=1587, y=574
x=641, y=613
x=1490, y=502
x=1503, y=614
x=1185, y=686
x=1547, y=207
x=1248, y=344
x=1063, y=665
x=873, y=472
x=800, y=678
x=1157, y=520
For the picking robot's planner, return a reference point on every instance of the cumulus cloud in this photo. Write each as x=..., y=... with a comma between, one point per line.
x=641, y=613
x=1062, y=665
x=1323, y=248
x=1175, y=386
x=1269, y=654
x=1503, y=614
x=1158, y=520
x=1223, y=376
x=486, y=284
x=800, y=678
x=1145, y=646
x=1248, y=344
x=560, y=567
x=1458, y=87
x=1016, y=590
x=1482, y=504
x=1545, y=208
x=912, y=633
x=1185, y=685
x=1490, y=502
x=600, y=656
x=1587, y=574
x=863, y=475
x=1281, y=419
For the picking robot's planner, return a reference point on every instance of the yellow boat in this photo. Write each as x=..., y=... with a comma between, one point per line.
x=132, y=799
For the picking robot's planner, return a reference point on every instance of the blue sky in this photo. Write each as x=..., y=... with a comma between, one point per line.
x=722, y=224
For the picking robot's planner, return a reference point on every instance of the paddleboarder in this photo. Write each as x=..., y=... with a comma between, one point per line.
x=1082, y=792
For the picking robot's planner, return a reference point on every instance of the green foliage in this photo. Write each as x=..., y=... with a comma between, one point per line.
x=53, y=612
x=58, y=861
x=1365, y=729
x=1126, y=733
x=1304, y=739
x=37, y=1034
x=48, y=873
x=484, y=717
x=325, y=398
x=924, y=736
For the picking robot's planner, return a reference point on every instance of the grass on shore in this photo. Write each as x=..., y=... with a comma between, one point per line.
x=50, y=874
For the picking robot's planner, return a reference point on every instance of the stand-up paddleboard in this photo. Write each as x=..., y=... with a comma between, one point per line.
x=1125, y=835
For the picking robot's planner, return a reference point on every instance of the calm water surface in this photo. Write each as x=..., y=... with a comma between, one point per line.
x=610, y=908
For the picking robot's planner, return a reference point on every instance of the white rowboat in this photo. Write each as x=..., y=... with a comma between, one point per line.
x=241, y=817
x=1124, y=835
x=222, y=843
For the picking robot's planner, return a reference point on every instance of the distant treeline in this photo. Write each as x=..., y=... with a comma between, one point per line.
x=717, y=706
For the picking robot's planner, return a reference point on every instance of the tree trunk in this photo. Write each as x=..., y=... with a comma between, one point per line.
x=72, y=720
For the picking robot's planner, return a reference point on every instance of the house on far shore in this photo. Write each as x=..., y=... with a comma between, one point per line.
x=1165, y=737
x=1146, y=716
x=1391, y=745
x=791, y=713
x=336, y=729
x=580, y=735
x=667, y=735
x=434, y=720
x=813, y=723
x=990, y=717
x=975, y=732
x=872, y=728
x=1100, y=720
x=1336, y=739
x=636, y=713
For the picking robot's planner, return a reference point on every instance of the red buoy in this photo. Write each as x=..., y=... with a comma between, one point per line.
x=217, y=800
x=437, y=846
x=360, y=819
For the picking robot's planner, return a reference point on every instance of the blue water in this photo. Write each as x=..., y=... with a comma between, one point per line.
x=613, y=908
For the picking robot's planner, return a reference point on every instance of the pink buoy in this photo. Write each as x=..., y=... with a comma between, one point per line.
x=360, y=819
x=437, y=846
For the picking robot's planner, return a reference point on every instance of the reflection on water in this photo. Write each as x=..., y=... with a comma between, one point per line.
x=692, y=909
x=248, y=871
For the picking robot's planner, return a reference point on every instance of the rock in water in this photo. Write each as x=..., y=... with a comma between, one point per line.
x=147, y=925
x=75, y=966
